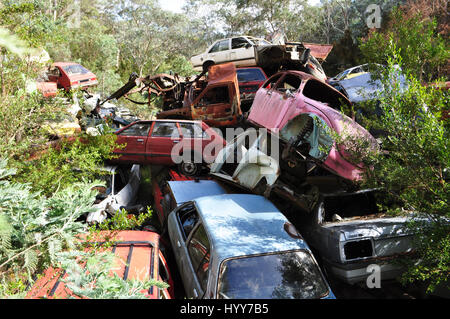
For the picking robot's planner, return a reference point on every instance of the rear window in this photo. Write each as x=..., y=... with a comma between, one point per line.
x=289, y=275
x=247, y=75
x=75, y=69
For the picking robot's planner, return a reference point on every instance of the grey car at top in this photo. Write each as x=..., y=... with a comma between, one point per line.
x=240, y=246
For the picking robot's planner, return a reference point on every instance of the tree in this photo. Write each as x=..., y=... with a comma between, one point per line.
x=413, y=167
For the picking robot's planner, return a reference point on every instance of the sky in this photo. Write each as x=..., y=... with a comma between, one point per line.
x=176, y=5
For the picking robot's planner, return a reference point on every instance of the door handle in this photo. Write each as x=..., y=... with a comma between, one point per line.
x=176, y=141
x=139, y=140
x=178, y=244
x=269, y=93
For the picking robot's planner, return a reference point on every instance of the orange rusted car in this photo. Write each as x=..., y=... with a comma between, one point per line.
x=213, y=99
x=139, y=256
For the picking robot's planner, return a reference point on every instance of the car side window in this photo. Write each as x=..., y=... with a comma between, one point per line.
x=54, y=72
x=237, y=43
x=191, y=130
x=198, y=248
x=163, y=272
x=270, y=84
x=216, y=95
x=289, y=82
x=224, y=45
x=138, y=129
x=187, y=217
x=215, y=48
x=165, y=129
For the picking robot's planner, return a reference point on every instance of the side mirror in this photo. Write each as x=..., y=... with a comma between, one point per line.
x=248, y=45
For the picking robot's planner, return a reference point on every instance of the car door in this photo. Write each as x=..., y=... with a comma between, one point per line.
x=242, y=51
x=262, y=112
x=220, y=52
x=134, y=137
x=192, y=138
x=288, y=89
x=182, y=224
x=214, y=103
x=163, y=137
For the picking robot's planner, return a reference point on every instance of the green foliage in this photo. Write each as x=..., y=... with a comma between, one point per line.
x=67, y=162
x=422, y=49
x=122, y=221
x=33, y=228
x=411, y=168
x=90, y=277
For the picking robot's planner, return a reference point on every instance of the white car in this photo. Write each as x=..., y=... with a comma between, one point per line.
x=122, y=185
x=239, y=50
x=245, y=51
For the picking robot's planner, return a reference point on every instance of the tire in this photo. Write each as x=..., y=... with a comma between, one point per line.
x=189, y=168
x=206, y=65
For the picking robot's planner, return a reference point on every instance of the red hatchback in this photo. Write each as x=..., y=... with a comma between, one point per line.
x=188, y=144
x=69, y=75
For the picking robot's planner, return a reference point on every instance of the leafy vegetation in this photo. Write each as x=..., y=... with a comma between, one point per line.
x=43, y=188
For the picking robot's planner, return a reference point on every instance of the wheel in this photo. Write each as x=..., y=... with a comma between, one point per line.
x=189, y=168
x=206, y=65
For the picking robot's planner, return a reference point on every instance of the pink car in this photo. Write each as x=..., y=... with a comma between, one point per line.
x=302, y=110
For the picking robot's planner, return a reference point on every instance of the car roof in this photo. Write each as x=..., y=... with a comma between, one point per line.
x=65, y=63
x=245, y=224
x=184, y=191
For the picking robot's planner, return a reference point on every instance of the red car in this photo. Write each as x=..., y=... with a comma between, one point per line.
x=67, y=76
x=188, y=144
x=250, y=80
x=141, y=249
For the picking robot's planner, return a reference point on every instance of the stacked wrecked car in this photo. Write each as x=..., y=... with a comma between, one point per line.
x=274, y=209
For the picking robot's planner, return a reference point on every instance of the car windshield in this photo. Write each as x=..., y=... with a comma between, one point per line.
x=75, y=69
x=288, y=275
x=247, y=75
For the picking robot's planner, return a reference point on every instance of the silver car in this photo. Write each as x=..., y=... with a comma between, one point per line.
x=349, y=233
x=240, y=246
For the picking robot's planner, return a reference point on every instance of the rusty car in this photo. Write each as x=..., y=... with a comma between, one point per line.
x=306, y=115
x=349, y=232
x=145, y=256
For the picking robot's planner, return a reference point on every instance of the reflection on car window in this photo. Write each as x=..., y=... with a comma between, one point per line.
x=220, y=46
x=75, y=69
x=188, y=217
x=191, y=130
x=138, y=129
x=289, y=275
x=165, y=129
x=247, y=75
x=198, y=248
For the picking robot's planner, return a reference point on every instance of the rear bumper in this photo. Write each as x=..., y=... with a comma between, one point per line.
x=359, y=272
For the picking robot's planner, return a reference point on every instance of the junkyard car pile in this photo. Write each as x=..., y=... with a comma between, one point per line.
x=271, y=212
